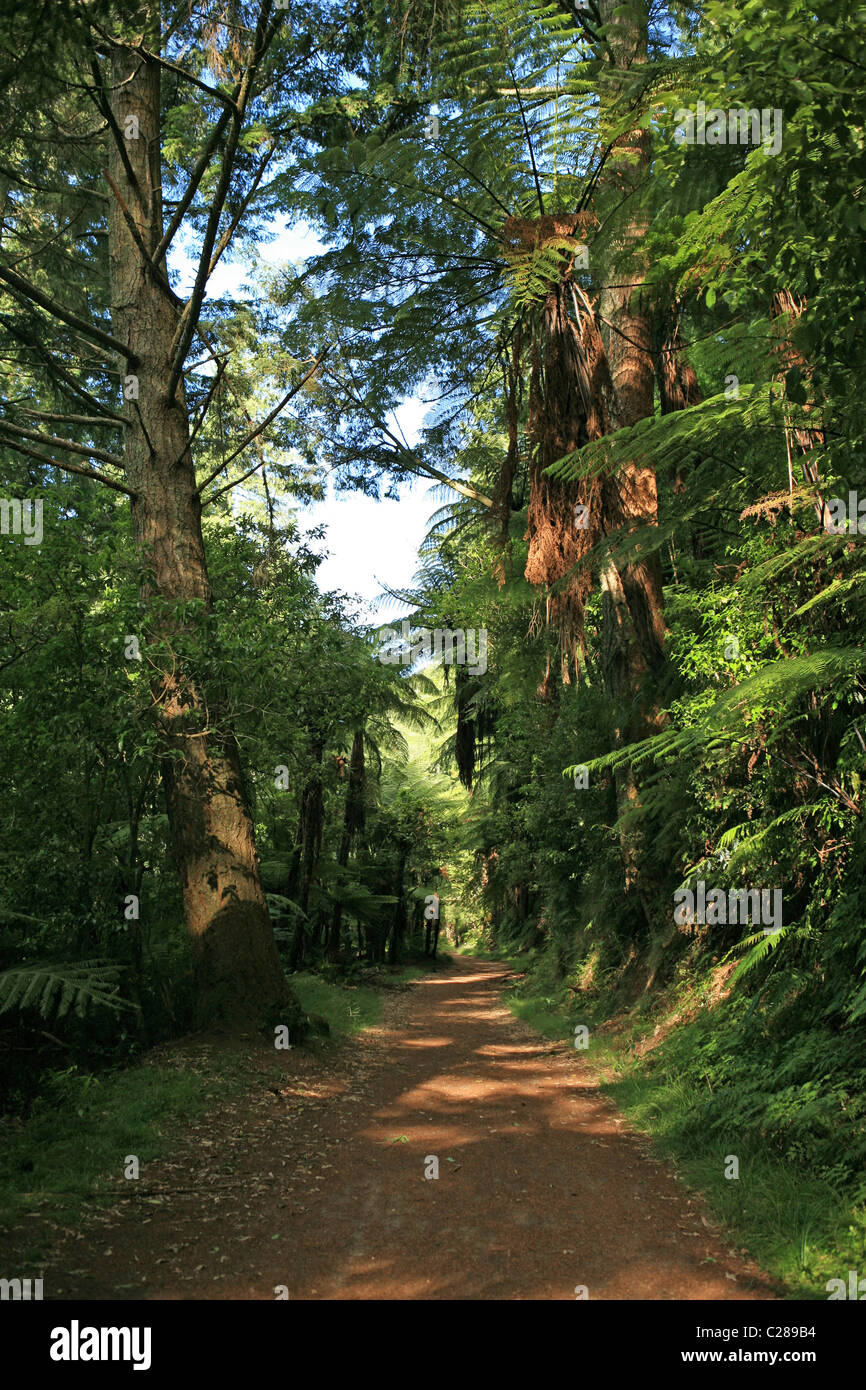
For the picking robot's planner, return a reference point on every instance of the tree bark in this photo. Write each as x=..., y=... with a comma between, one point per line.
x=312, y=815
x=627, y=327
x=353, y=821
x=633, y=609
x=238, y=972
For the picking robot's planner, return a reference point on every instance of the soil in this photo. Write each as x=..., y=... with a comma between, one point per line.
x=315, y=1188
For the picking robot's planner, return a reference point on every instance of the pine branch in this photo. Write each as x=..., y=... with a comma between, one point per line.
x=99, y=420
x=56, y=442
x=65, y=467
x=257, y=430
x=97, y=335
x=192, y=187
x=188, y=319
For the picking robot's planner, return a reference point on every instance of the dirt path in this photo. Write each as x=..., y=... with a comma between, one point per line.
x=321, y=1187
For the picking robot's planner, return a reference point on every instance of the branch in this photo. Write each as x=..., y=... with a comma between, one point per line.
x=480, y=182
x=58, y=443
x=72, y=190
x=186, y=326
x=260, y=463
x=127, y=217
x=57, y=311
x=418, y=186
x=195, y=179
x=466, y=489
x=593, y=179
x=66, y=467
x=139, y=48
x=418, y=464
x=75, y=388
x=217, y=378
x=57, y=372
x=258, y=429
x=840, y=57
x=545, y=92
x=76, y=419
x=151, y=266
x=102, y=105
x=538, y=192
x=225, y=239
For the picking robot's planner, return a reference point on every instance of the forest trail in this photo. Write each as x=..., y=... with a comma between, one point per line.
x=321, y=1188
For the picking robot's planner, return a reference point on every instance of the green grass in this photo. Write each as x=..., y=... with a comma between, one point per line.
x=802, y=1229
x=539, y=1013
x=347, y=1009
x=83, y=1126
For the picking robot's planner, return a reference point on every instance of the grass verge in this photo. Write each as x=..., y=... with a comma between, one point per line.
x=347, y=1009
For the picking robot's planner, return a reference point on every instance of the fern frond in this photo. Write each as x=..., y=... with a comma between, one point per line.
x=761, y=945
x=55, y=989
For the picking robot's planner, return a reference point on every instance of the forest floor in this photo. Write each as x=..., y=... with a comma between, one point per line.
x=316, y=1186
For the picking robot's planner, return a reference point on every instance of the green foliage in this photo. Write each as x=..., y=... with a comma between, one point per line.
x=506, y=792
x=52, y=990
x=69, y=1149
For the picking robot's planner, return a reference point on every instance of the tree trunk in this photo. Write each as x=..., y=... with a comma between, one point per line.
x=627, y=326
x=633, y=609
x=569, y=403
x=312, y=815
x=353, y=821
x=238, y=971
x=399, y=919
x=785, y=309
